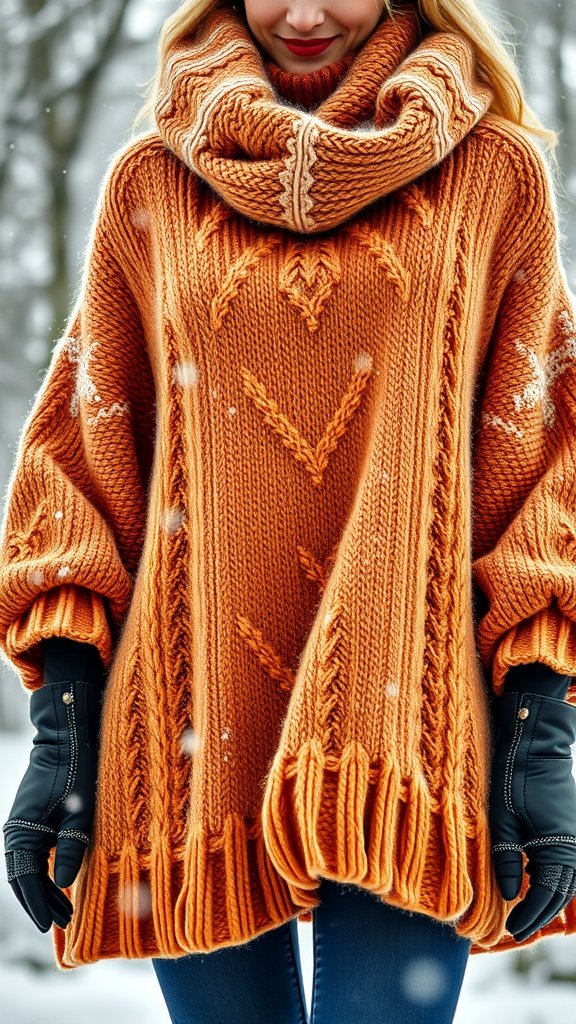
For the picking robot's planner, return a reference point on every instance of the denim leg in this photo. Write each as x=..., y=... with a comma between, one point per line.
x=256, y=982
x=378, y=964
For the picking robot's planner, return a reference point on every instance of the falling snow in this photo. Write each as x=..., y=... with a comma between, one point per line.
x=185, y=373
x=189, y=742
x=140, y=218
x=172, y=519
x=363, y=362
x=127, y=990
x=424, y=980
x=134, y=899
x=73, y=803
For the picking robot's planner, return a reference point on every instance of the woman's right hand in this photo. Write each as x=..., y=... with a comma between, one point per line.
x=54, y=804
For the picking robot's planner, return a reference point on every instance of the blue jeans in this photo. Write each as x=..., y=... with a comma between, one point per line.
x=373, y=964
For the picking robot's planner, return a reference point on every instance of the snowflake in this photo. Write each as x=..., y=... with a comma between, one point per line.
x=84, y=386
x=116, y=409
x=545, y=371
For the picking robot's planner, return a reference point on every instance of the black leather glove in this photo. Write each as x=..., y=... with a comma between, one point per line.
x=54, y=805
x=533, y=796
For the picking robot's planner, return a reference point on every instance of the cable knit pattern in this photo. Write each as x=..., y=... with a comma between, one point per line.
x=391, y=119
x=308, y=493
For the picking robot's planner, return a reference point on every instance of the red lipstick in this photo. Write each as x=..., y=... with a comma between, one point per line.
x=307, y=47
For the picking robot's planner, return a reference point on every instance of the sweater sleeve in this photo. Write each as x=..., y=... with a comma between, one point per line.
x=524, y=450
x=74, y=516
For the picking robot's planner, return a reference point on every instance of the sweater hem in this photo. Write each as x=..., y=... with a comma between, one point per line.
x=166, y=901
x=386, y=835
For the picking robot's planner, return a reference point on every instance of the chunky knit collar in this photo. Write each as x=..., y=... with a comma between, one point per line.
x=310, y=88
x=407, y=100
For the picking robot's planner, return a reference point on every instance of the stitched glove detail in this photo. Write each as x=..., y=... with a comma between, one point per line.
x=533, y=806
x=54, y=804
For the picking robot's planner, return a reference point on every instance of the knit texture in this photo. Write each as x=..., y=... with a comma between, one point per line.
x=310, y=495
x=390, y=120
x=309, y=89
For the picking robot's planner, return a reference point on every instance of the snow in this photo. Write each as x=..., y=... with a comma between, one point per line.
x=123, y=991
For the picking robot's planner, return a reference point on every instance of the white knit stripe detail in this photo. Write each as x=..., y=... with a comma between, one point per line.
x=473, y=100
x=189, y=61
x=174, y=59
x=296, y=177
x=443, y=141
x=305, y=180
x=194, y=139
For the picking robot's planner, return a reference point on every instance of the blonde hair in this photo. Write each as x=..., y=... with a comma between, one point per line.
x=496, y=64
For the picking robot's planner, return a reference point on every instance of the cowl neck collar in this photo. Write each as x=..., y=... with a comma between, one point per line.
x=407, y=99
x=312, y=87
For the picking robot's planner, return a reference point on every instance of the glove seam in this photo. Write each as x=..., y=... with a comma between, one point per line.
x=48, y=809
x=543, y=840
x=73, y=759
x=525, y=813
x=511, y=759
x=23, y=823
x=74, y=833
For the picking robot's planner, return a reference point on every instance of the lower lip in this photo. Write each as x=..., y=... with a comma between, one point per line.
x=308, y=51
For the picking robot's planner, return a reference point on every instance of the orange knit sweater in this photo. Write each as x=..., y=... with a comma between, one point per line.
x=316, y=397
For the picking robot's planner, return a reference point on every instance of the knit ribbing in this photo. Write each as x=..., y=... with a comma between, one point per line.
x=404, y=104
x=311, y=87
x=266, y=474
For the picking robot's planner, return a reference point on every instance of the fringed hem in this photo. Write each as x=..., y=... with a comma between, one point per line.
x=343, y=817
x=220, y=890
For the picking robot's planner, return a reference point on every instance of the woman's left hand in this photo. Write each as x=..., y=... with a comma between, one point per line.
x=533, y=806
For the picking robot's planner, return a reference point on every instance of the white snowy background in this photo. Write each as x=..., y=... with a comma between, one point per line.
x=72, y=75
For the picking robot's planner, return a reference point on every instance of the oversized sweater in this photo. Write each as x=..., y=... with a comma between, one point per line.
x=302, y=469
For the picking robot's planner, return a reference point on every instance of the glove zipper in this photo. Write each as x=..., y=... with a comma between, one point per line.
x=68, y=699
x=519, y=735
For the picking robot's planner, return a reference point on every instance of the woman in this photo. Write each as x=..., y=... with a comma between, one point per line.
x=323, y=298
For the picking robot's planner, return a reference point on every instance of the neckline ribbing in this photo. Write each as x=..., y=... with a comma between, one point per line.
x=312, y=87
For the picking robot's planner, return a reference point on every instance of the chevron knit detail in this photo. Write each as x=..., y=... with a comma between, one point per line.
x=316, y=396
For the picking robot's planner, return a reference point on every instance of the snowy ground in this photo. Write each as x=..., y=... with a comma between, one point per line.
x=126, y=991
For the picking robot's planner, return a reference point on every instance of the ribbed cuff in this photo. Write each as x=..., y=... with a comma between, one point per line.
x=548, y=636
x=68, y=610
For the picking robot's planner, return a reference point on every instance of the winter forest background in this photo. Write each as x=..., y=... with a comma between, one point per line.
x=72, y=75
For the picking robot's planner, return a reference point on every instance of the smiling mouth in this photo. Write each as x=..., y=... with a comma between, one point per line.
x=307, y=46
x=308, y=42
